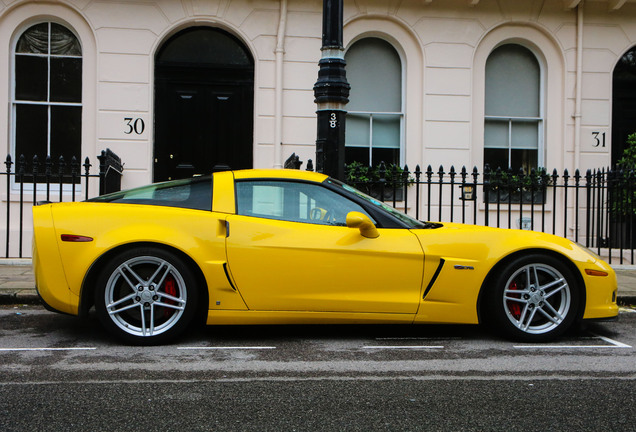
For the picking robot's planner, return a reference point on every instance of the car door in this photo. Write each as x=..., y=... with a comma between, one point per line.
x=289, y=249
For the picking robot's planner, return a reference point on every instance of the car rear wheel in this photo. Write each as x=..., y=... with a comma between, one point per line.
x=146, y=296
x=535, y=298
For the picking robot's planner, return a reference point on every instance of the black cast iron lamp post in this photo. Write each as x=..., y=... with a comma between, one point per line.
x=331, y=93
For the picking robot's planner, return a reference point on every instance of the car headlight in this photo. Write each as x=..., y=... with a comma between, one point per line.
x=588, y=250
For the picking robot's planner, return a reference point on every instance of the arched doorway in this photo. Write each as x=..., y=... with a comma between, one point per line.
x=204, y=104
x=624, y=102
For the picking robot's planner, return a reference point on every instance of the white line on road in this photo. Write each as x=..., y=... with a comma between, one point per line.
x=49, y=349
x=229, y=348
x=404, y=347
x=422, y=377
x=612, y=342
x=417, y=338
x=565, y=346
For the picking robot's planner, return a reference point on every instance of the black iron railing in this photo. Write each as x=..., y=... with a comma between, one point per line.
x=30, y=181
x=596, y=208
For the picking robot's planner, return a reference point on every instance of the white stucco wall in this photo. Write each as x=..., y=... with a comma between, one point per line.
x=443, y=45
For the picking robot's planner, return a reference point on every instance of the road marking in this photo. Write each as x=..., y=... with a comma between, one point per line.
x=418, y=338
x=403, y=347
x=565, y=346
x=423, y=377
x=229, y=348
x=612, y=342
x=49, y=349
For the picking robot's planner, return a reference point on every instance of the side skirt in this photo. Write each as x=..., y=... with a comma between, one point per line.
x=229, y=317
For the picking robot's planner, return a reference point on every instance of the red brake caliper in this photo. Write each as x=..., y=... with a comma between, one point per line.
x=170, y=288
x=513, y=306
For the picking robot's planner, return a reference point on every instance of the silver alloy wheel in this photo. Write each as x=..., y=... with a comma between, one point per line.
x=145, y=296
x=537, y=298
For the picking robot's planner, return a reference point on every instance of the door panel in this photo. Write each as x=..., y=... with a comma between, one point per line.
x=201, y=125
x=294, y=266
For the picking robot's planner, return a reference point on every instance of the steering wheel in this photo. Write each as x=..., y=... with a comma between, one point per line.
x=317, y=214
x=320, y=214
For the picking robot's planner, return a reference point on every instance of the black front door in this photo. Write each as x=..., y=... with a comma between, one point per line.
x=203, y=105
x=624, y=103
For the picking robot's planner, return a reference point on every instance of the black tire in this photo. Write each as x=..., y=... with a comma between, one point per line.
x=146, y=296
x=533, y=298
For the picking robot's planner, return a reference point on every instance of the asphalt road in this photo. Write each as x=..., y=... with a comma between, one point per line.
x=60, y=373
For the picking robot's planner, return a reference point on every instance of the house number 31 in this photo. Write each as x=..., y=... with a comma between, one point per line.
x=599, y=139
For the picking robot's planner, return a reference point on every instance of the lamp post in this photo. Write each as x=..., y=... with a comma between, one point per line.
x=331, y=93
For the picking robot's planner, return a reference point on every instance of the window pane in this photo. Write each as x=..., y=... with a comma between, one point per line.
x=525, y=135
x=48, y=69
x=526, y=159
x=31, y=131
x=66, y=79
x=374, y=71
x=30, y=78
x=357, y=130
x=64, y=42
x=35, y=40
x=204, y=46
x=295, y=202
x=386, y=131
x=496, y=158
x=386, y=155
x=357, y=154
x=512, y=82
x=66, y=132
x=193, y=193
x=496, y=134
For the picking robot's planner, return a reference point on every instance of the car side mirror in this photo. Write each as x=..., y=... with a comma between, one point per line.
x=363, y=223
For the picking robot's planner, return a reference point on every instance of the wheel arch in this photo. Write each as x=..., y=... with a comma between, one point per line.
x=494, y=271
x=89, y=285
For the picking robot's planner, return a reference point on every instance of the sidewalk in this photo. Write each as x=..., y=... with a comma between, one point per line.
x=17, y=283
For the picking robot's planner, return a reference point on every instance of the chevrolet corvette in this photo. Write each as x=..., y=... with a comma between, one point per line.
x=296, y=247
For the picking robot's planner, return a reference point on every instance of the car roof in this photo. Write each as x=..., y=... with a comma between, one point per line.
x=279, y=173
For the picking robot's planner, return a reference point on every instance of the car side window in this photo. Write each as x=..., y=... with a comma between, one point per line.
x=293, y=201
x=194, y=193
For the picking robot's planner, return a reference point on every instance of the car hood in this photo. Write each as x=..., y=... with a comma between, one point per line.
x=484, y=244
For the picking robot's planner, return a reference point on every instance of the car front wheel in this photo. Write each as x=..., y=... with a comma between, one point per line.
x=535, y=298
x=146, y=296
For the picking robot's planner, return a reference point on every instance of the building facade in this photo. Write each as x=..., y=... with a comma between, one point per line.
x=175, y=87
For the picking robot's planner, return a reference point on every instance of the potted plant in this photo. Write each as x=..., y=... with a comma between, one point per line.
x=380, y=181
x=622, y=197
x=504, y=186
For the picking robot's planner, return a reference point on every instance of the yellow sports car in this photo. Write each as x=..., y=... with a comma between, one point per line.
x=295, y=247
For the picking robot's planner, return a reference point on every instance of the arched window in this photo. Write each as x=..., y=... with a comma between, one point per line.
x=47, y=95
x=375, y=113
x=513, y=125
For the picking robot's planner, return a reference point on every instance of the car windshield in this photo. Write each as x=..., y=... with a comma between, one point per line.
x=404, y=218
x=193, y=193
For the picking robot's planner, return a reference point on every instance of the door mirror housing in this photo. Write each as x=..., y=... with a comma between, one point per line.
x=363, y=223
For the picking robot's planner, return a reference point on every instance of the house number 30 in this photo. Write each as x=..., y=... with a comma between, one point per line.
x=332, y=121
x=134, y=125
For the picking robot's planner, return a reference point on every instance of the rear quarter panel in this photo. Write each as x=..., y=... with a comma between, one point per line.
x=50, y=279
x=198, y=234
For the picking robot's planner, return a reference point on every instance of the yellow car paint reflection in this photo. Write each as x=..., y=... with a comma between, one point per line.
x=287, y=246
